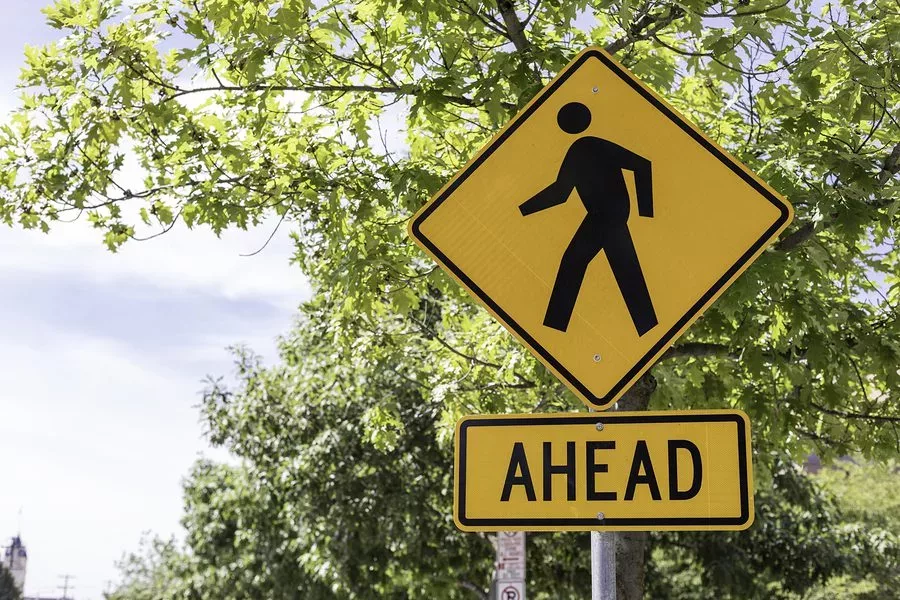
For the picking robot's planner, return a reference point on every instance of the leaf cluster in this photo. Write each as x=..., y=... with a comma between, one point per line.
x=328, y=498
x=811, y=539
x=337, y=121
x=8, y=588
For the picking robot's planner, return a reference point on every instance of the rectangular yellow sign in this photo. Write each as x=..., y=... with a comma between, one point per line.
x=625, y=471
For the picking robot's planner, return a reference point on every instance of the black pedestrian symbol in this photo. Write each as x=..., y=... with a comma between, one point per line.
x=593, y=167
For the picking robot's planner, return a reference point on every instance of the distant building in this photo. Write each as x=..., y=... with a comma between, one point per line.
x=15, y=558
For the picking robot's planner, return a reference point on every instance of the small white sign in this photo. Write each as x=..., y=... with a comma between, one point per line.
x=511, y=544
x=510, y=565
x=510, y=590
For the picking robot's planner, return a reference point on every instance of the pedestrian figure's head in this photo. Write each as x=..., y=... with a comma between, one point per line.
x=574, y=117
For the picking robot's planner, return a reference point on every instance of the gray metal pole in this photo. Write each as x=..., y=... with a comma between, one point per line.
x=603, y=565
x=603, y=560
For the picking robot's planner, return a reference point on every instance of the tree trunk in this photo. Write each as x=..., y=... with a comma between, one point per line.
x=631, y=546
x=630, y=549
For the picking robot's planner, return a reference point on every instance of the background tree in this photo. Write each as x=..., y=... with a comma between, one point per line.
x=869, y=496
x=815, y=538
x=343, y=490
x=160, y=571
x=237, y=111
x=8, y=588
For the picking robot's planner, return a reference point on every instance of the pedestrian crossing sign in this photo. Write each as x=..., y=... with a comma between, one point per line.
x=598, y=225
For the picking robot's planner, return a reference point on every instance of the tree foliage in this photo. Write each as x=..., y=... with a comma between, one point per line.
x=814, y=537
x=339, y=120
x=8, y=588
x=332, y=496
x=343, y=489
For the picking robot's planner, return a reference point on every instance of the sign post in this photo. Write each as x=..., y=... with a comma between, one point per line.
x=510, y=567
x=603, y=565
x=597, y=226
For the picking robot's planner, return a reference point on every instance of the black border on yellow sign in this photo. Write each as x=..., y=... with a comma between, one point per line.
x=737, y=522
x=667, y=338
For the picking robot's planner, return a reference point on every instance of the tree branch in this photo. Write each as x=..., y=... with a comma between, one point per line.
x=532, y=12
x=473, y=359
x=644, y=28
x=371, y=89
x=516, y=33
x=486, y=20
x=638, y=396
x=514, y=26
x=473, y=588
x=890, y=167
x=713, y=350
x=496, y=385
x=853, y=415
x=746, y=13
x=797, y=237
x=699, y=350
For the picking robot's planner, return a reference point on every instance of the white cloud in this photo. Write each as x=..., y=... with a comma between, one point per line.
x=179, y=261
x=101, y=361
x=96, y=440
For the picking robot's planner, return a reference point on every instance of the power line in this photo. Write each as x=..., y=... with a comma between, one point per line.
x=65, y=586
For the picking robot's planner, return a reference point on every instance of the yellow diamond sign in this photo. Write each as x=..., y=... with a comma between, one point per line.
x=598, y=225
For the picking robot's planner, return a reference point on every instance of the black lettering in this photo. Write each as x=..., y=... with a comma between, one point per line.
x=593, y=468
x=642, y=459
x=567, y=469
x=518, y=462
x=674, y=492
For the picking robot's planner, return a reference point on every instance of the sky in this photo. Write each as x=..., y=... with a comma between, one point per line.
x=102, y=360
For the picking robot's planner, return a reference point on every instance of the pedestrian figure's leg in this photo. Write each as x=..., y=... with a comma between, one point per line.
x=585, y=245
x=627, y=270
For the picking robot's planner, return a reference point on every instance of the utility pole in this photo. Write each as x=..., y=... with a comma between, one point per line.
x=65, y=586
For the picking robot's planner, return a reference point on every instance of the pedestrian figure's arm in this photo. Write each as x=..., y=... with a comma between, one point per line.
x=643, y=179
x=643, y=183
x=554, y=194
